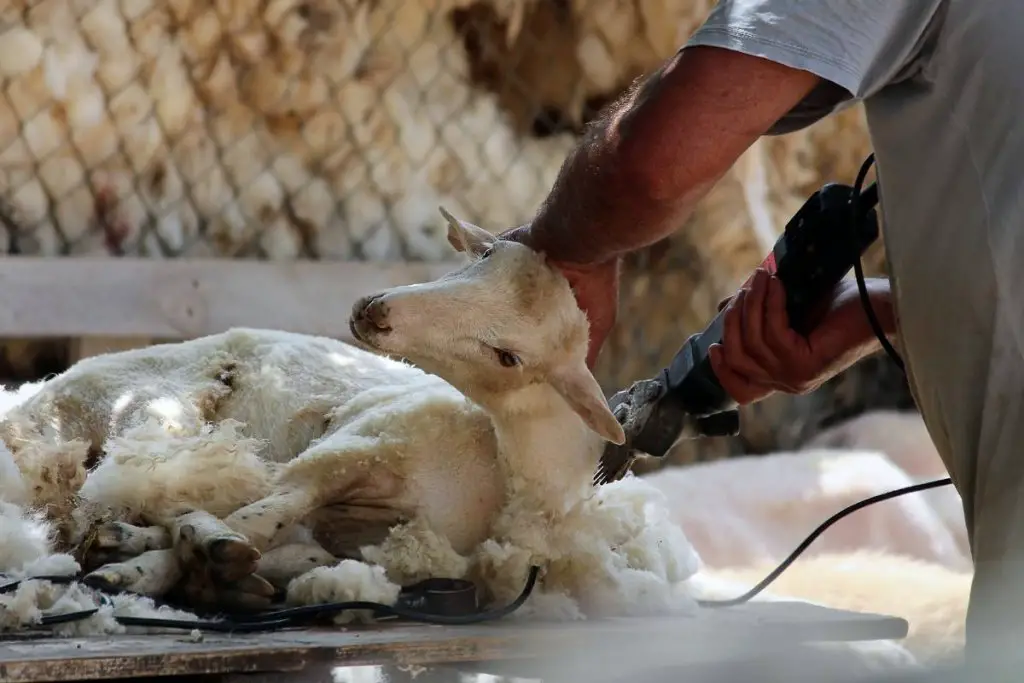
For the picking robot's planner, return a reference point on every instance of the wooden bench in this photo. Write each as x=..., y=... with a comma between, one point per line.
x=499, y=647
x=112, y=304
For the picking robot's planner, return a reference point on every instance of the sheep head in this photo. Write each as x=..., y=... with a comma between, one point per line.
x=501, y=325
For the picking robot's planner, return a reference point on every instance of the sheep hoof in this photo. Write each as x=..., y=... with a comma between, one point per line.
x=255, y=585
x=110, y=535
x=220, y=559
x=107, y=579
x=227, y=555
x=131, y=540
x=252, y=592
x=233, y=551
x=96, y=559
x=118, y=541
x=219, y=565
x=231, y=559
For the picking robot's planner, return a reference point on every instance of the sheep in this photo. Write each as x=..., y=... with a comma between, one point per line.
x=752, y=509
x=384, y=455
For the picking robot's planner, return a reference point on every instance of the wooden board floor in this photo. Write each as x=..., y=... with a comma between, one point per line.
x=46, y=658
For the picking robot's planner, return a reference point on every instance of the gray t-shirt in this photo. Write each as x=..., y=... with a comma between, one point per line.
x=942, y=83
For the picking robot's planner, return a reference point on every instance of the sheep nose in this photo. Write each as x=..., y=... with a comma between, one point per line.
x=376, y=312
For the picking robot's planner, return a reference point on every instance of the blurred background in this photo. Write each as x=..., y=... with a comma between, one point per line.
x=267, y=161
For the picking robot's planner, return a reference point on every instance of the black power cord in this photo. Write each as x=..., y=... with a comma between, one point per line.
x=862, y=201
x=818, y=531
x=290, y=617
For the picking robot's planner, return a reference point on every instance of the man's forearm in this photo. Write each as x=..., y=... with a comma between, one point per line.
x=642, y=167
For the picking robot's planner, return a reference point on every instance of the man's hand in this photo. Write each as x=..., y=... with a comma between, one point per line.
x=596, y=288
x=761, y=354
x=597, y=293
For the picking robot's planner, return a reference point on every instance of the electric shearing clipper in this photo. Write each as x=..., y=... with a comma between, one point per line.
x=685, y=400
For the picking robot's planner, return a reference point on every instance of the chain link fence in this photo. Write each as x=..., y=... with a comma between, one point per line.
x=332, y=130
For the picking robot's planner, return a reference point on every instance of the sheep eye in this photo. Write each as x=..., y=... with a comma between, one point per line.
x=487, y=253
x=507, y=358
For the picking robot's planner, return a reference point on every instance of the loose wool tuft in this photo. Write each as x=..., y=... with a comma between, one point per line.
x=148, y=472
x=345, y=581
x=615, y=553
x=26, y=551
x=932, y=598
x=414, y=552
x=25, y=540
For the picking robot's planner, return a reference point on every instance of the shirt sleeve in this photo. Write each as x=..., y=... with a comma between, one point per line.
x=861, y=46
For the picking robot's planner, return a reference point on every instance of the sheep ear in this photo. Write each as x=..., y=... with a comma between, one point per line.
x=466, y=237
x=582, y=392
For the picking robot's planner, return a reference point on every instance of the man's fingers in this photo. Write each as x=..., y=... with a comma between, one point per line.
x=784, y=342
x=516, y=234
x=597, y=293
x=594, y=350
x=734, y=343
x=600, y=328
x=741, y=388
x=755, y=312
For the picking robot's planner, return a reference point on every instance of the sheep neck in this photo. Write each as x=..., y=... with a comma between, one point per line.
x=547, y=451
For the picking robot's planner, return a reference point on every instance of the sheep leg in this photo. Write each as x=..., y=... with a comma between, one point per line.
x=285, y=562
x=119, y=541
x=218, y=564
x=261, y=521
x=153, y=573
x=336, y=470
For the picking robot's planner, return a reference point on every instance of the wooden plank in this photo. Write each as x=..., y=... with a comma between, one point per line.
x=693, y=638
x=186, y=298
